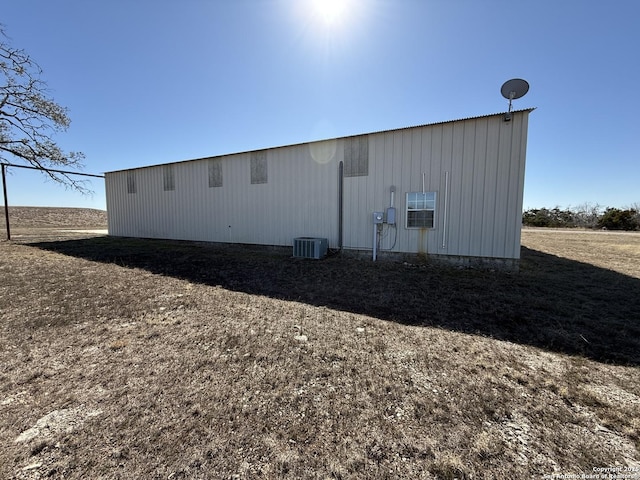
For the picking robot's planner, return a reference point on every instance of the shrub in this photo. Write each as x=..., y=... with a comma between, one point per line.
x=584, y=216
x=616, y=219
x=544, y=217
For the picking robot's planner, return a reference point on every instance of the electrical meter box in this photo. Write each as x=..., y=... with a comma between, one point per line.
x=391, y=215
x=378, y=217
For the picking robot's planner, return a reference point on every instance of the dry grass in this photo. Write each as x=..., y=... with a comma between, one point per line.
x=51, y=223
x=618, y=251
x=126, y=359
x=54, y=217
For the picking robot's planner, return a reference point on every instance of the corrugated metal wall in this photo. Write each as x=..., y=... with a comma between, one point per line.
x=475, y=166
x=299, y=198
x=482, y=159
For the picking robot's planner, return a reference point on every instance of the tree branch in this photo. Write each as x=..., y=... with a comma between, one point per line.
x=28, y=117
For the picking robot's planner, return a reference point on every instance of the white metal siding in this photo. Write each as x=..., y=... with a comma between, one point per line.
x=299, y=199
x=483, y=157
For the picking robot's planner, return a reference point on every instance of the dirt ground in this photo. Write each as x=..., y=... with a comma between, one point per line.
x=124, y=358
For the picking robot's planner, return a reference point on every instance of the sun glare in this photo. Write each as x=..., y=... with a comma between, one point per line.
x=332, y=26
x=330, y=12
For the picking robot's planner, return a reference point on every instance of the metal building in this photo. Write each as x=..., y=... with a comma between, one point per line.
x=450, y=189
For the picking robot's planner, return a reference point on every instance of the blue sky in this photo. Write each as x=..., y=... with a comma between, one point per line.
x=154, y=81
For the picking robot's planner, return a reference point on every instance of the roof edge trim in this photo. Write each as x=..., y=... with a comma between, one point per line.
x=527, y=110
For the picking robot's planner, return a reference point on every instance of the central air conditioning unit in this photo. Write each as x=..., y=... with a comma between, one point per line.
x=309, y=247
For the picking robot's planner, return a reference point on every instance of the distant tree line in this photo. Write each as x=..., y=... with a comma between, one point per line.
x=584, y=216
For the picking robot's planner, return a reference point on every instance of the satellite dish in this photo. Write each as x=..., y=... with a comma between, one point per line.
x=514, y=88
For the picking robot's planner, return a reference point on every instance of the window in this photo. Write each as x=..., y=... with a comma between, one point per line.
x=215, y=172
x=356, y=156
x=131, y=182
x=167, y=175
x=421, y=208
x=259, y=167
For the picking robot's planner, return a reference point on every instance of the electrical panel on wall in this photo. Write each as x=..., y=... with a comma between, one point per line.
x=391, y=216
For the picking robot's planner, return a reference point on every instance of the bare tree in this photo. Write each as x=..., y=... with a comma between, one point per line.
x=29, y=118
x=587, y=215
x=635, y=207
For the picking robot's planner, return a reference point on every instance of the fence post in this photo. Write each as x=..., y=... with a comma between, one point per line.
x=6, y=203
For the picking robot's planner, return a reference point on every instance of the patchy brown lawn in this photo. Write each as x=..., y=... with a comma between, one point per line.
x=124, y=358
x=618, y=251
x=53, y=217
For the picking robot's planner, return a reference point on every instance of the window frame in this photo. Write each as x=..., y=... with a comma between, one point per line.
x=426, y=204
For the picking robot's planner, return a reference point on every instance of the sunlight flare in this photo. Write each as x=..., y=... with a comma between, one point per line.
x=331, y=12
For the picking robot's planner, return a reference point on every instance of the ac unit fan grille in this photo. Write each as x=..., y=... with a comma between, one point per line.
x=309, y=247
